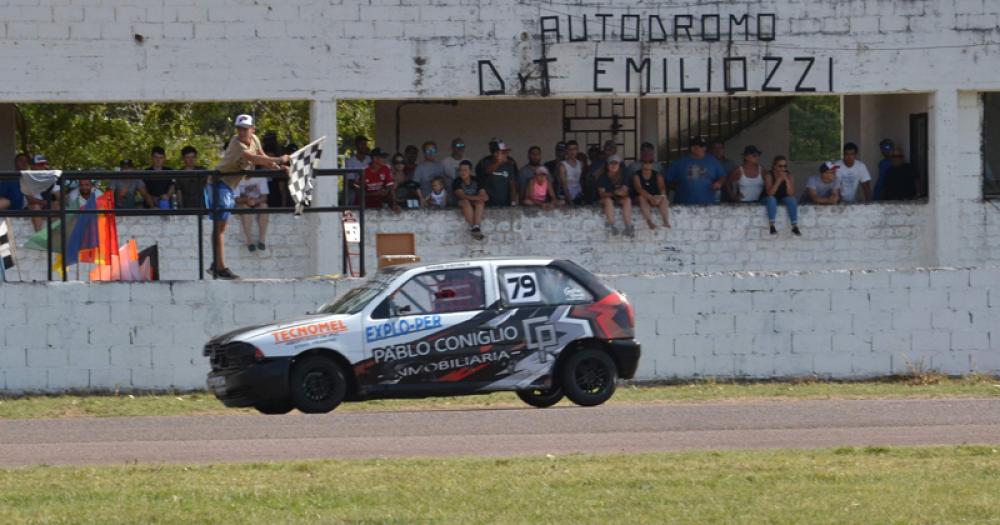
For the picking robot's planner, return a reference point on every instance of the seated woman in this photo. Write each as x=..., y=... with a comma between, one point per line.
x=779, y=187
x=612, y=189
x=538, y=192
x=652, y=192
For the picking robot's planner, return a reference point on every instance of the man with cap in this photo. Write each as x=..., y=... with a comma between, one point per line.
x=243, y=153
x=379, y=184
x=853, y=174
x=498, y=175
x=696, y=177
x=452, y=161
x=885, y=148
x=824, y=188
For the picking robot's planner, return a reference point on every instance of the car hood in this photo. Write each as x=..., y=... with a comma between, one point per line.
x=248, y=333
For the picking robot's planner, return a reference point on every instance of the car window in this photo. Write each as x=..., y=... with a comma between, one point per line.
x=540, y=285
x=439, y=292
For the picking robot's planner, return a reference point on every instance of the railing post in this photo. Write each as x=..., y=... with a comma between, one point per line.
x=361, y=223
x=62, y=228
x=215, y=226
x=201, y=233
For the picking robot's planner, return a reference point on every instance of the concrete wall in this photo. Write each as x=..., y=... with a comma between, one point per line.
x=843, y=324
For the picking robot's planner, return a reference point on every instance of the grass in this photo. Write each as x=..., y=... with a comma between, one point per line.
x=843, y=485
x=922, y=386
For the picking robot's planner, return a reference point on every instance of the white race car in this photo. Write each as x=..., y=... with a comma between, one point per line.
x=541, y=327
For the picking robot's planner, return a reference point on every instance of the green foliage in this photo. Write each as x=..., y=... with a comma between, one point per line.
x=354, y=117
x=86, y=136
x=815, y=128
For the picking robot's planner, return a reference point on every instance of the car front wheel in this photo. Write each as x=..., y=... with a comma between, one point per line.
x=588, y=377
x=283, y=406
x=541, y=398
x=318, y=385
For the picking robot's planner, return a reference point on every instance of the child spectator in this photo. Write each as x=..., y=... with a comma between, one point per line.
x=648, y=184
x=824, y=188
x=438, y=198
x=407, y=195
x=252, y=194
x=539, y=191
x=611, y=190
x=379, y=184
x=471, y=198
x=779, y=187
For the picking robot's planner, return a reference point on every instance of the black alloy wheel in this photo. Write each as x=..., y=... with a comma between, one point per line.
x=539, y=398
x=588, y=377
x=318, y=385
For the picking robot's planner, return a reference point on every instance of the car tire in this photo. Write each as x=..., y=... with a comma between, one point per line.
x=588, y=377
x=539, y=398
x=318, y=385
x=275, y=408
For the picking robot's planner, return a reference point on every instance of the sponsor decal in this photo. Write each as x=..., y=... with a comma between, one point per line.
x=452, y=363
x=377, y=332
x=445, y=344
x=540, y=334
x=298, y=333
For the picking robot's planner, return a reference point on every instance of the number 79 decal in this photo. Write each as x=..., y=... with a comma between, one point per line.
x=521, y=287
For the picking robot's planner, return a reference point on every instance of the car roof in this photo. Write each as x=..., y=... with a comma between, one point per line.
x=457, y=263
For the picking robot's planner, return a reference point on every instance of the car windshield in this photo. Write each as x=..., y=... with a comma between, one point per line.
x=354, y=300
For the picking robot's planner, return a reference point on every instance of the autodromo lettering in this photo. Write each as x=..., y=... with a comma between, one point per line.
x=445, y=344
x=310, y=330
x=389, y=329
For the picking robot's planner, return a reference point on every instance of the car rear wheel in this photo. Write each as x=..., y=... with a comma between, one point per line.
x=541, y=398
x=318, y=385
x=588, y=377
x=283, y=406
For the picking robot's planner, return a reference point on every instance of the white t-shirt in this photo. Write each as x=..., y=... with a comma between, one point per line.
x=255, y=187
x=851, y=178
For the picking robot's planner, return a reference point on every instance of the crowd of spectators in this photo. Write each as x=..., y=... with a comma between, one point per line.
x=599, y=176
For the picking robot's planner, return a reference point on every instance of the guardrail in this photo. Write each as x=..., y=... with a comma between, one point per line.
x=202, y=175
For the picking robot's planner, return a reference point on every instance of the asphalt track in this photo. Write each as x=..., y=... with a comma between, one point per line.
x=499, y=432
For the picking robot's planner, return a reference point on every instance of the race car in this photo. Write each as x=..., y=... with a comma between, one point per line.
x=543, y=328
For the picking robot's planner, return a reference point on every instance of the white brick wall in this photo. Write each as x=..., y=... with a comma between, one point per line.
x=839, y=324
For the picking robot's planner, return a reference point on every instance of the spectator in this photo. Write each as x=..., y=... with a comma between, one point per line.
x=471, y=199
x=647, y=152
x=47, y=199
x=438, y=197
x=498, y=175
x=130, y=193
x=269, y=141
x=718, y=150
x=824, y=188
x=901, y=181
x=81, y=194
x=410, y=154
x=407, y=194
x=191, y=189
x=452, y=161
x=571, y=171
x=251, y=193
x=430, y=169
x=852, y=173
x=885, y=148
x=528, y=170
x=11, y=197
x=651, y=189
x=162, y=190
x=746, y=182
x=553, y=165
x=696, y=177
x=358, y=161
x=243, y=153
x=379, y=184
x=539, y=190
x=780, y=188
x=613, y=189
x=598, y=162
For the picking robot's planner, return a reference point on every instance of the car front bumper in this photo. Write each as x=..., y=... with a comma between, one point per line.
x=626, y=354
x=259, y=382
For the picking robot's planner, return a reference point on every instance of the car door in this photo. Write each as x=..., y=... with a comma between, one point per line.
x=424, y=337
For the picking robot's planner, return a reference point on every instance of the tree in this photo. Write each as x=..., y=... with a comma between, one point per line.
x=815, y=128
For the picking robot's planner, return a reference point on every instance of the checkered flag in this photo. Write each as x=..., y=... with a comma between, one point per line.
x=6, y=252
x=300, y=173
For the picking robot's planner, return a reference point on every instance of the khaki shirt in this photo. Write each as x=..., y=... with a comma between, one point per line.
x=233, y=161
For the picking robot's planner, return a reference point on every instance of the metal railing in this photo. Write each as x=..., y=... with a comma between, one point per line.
x=203, y=176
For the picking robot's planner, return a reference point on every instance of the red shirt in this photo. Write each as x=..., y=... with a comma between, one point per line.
x=376, y=179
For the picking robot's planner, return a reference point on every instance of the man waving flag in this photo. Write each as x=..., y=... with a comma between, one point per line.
x=300, y=173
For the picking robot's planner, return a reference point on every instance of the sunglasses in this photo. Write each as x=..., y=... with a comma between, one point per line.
x=459, y=146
